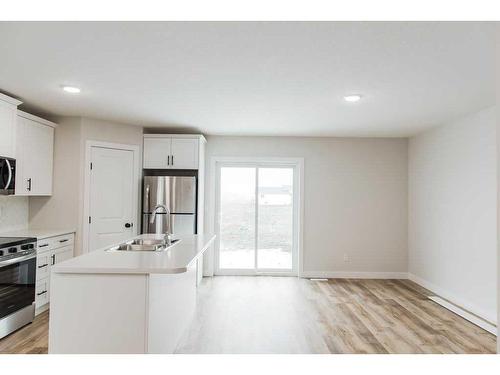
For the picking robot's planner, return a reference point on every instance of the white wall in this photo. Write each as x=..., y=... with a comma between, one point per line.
x=59, y=210
x=105, y=131
x=452, y=211
x=355, y=199
x=64, y=209
x=13, y=213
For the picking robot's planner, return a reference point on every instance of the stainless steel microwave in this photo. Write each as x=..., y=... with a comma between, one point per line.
x=7, y=176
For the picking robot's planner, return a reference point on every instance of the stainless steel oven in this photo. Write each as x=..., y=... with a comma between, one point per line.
x=17, y=282
x=7, y=176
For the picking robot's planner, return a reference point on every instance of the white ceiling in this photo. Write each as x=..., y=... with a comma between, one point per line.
x=254, y=78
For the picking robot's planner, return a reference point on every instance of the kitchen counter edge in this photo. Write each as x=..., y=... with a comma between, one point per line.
x=39, y=234
x=64, y=269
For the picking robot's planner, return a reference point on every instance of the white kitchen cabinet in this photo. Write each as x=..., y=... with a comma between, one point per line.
x=42, y=293
x=8, y=119
x=50, y=251
x=43, y=261
x=62, y=254
x=35, y=155
x=157, y=153
x=172, y=151
x=184, y=153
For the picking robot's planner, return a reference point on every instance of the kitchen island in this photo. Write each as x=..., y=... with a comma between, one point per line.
x=111, y=301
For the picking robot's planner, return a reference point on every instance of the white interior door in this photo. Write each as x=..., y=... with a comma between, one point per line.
x=256, y=220
x=111, y=206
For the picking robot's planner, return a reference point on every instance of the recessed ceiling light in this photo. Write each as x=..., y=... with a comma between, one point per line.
x=352, y=98
x=71, y=89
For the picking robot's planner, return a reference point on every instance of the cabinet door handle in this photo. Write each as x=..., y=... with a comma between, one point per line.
x=168, y=160
x=43, y=265
x=29, y=184
x=39, y=294
x=44, y=245
x=172, y=159
x=53, y=259
x=61, y=241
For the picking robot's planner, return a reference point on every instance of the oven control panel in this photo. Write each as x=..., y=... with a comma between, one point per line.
x=19, y=251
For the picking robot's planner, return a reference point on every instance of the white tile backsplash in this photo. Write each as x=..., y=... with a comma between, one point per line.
x=13, y=213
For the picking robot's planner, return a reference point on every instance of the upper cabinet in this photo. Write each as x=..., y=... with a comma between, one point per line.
x=184, y=153
x=8, y=115
x=165, y=151
x=35, y=155
x=157, y=152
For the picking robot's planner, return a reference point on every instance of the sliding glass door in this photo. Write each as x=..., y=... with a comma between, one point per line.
x=237, y=218
x=256, y=218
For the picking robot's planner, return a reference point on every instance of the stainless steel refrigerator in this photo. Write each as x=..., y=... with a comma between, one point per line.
x=178, y=194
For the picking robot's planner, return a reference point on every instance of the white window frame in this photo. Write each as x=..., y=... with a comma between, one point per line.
x=298, y=213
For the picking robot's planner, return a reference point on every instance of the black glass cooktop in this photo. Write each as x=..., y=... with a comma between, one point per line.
x=13, y=241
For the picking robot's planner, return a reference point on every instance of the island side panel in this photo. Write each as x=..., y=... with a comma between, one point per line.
x=98, y=313
x=172, y=304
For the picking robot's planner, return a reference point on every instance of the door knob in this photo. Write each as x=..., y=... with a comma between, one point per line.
x=129, y=225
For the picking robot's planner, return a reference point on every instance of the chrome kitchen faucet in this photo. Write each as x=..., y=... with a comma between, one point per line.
x=167, y=212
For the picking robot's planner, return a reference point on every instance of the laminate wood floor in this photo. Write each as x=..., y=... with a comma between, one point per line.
x=291, y=315
x=31, y=339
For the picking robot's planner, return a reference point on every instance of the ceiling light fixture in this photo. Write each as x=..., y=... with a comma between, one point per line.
x=352, y=98
x=71, y=89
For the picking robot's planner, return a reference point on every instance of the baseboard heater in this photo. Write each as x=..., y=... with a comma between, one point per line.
x=491, y=328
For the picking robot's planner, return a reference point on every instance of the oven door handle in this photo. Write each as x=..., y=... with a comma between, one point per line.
x=16, y=260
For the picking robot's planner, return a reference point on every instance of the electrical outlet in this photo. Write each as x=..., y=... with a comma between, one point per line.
x=346, y=258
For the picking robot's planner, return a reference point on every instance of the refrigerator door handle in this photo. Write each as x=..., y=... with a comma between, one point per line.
x=146, y=209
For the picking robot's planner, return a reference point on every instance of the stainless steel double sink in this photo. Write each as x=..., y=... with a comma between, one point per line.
x=145, y=245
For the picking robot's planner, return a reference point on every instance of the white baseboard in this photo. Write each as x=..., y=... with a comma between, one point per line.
x=454, y=299
x=353, y=275
x=42, y=309
x=465, y=314
x=457, y=304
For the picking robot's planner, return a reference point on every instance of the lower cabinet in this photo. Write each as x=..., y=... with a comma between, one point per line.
x=50, y=251
x=42, y=293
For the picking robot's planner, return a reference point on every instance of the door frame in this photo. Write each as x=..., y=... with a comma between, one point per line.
x=298, y=214
x=86, y=186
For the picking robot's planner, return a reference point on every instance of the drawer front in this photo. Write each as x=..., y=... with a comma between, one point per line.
x=52, y=243
x=42, y=265
x=43, y=245
x=64, y=240
x=42, y=292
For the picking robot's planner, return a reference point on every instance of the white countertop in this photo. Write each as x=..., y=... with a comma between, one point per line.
x=40, y=234
x=173, y=260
